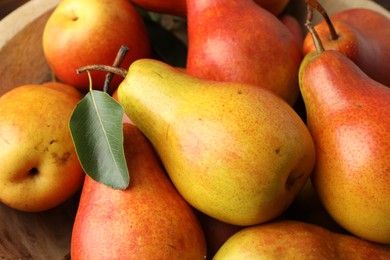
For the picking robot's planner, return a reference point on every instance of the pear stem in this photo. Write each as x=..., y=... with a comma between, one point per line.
x=316, y=38
x=314, y=4
x=110, y=69
x=117, y=62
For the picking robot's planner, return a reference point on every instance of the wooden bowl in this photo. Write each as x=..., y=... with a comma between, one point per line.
x=47, y=235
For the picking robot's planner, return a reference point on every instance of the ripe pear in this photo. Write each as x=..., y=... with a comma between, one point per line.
x=288, y=239
x=39, y=168
x=82, y=32
x=234, y=151
x=239, y=41
x=148, y=220
x=348, y=115
x=363, y=35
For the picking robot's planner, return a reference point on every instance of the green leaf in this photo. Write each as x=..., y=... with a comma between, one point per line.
x=96, y=128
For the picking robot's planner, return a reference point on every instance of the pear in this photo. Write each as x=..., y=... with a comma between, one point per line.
x=239, y=41
x=348, y=115
x=235, y=152
x=148, y=220
x=39, y=167
x=287, y=239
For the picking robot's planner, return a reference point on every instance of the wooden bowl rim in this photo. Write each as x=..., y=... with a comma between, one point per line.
x=23, y=16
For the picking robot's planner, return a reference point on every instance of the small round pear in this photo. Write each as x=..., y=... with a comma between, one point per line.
x=39, y=168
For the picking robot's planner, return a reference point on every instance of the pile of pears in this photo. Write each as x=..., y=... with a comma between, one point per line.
x=259, y=112
x=227, y=133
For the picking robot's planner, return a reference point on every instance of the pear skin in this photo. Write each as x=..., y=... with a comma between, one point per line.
x=288, y=239
x=239, y=41
x=148, y=220
x=235, y=152
x=348, y=115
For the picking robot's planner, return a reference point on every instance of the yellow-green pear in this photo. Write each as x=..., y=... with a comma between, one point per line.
x=236, y=152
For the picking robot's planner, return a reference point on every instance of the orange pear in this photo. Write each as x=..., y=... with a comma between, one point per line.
x=348, y=115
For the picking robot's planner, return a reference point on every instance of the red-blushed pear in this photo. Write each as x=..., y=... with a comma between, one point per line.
x=148, y=220
x=39, y=168
x=83, y=32
x=239, y=41
x=297, y=240
x=363, y=35
x=348, y=115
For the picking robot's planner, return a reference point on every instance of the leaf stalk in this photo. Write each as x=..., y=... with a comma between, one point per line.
x=115, y=70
